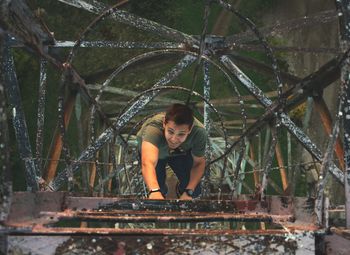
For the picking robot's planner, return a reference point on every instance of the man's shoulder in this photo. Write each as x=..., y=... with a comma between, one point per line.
x=152, y=126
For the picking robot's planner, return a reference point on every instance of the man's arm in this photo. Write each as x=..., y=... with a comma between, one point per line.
x=196, y=175
x=149, y=159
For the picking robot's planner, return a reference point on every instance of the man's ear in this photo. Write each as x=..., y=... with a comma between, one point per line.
x=191, y=128
x=164, y=122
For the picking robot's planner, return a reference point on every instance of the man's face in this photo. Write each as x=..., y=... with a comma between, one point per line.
x=175, y=135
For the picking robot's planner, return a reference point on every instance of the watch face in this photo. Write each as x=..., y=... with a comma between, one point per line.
x=189, y=192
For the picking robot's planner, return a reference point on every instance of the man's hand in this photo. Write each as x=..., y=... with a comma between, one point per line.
x=184, y=196
x=156, y=195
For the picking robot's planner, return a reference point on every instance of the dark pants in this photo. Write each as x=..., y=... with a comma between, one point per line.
x=181, y=165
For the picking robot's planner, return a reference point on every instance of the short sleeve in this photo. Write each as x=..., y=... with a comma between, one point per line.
x=199, y=142
x=152, y=134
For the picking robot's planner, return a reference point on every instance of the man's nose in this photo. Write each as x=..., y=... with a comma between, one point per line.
x=173, y=138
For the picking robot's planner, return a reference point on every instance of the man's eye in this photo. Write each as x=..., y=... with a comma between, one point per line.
x=181, y=135
x=170, y=132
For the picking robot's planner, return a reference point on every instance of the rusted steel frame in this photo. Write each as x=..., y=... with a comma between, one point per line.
x=241, y=164
x=62, y=128
x=264, y=43
x=280, y=162
x=36, y=230
x=135, y=21
x=268, y=161
x=217, y=217
x=207, y=125
x=121, y=121
x=309, y=20
x=56, y=147
x=93, y=171
x=113, y=163
x=116, y=213
x=284, y=118
x=19, y=123
x=5, y=173
x=120, y=45
x=255, y=174
x=326, y=162
x=321, y=107
x=41, y=115
x=344, y=19
x=18, y=19
x=5, y=165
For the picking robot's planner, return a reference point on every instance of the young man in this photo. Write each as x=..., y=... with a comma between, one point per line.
x=178, y=139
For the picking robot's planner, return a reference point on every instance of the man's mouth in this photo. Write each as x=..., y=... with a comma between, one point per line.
x=172, y=145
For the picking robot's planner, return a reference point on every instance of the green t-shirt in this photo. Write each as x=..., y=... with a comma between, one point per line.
x=152, y=131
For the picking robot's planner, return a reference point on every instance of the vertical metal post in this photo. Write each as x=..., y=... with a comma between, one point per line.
x=344, y=20
x=206, y=92
x=19, y=122
x=41, y=115
x=4, y=139
x=5, y=173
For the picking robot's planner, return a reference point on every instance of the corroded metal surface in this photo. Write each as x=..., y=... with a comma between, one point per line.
x=45, y=212
x=210, y=245
x=19, y=123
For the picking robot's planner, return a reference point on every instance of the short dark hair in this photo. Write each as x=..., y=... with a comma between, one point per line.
x=179, y=113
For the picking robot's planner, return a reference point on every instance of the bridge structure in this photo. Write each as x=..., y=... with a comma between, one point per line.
x=99, y=193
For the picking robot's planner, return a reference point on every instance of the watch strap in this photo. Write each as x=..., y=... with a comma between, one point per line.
x=153, y=191
x=189, y=192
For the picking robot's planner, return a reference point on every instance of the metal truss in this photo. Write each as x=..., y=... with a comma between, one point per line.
x=231, y=153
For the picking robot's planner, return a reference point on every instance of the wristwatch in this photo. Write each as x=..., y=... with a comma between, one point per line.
x=189, y=192
x=153, y=190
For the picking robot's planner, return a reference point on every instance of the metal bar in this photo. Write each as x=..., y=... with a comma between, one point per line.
x=41, y=115
x=255, y=174
x=120, y=45
x=121, y=121
x=19, y=123
x=285, y=120
x=268, y=161
x=325, y=115
x=5, y=164
x=208, y=151
x=148, y=217
x=280, y=162
x=343, y=7
x=40, y=230
x=325, y=167
x=133, y=20
x=56, y=146
x=242, y=163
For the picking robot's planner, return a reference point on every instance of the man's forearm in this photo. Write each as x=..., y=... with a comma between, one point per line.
x=150, y=177
x=196, y=175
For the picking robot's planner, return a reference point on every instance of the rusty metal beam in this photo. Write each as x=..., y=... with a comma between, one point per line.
x=19, y=123
x=40, y=230
x=326, y=119
x=56, y=147
x=343, y=12
x=271, y=112
x=280, y=162
x=148, y=216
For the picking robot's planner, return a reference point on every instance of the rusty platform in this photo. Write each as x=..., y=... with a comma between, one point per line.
x=275, y=225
